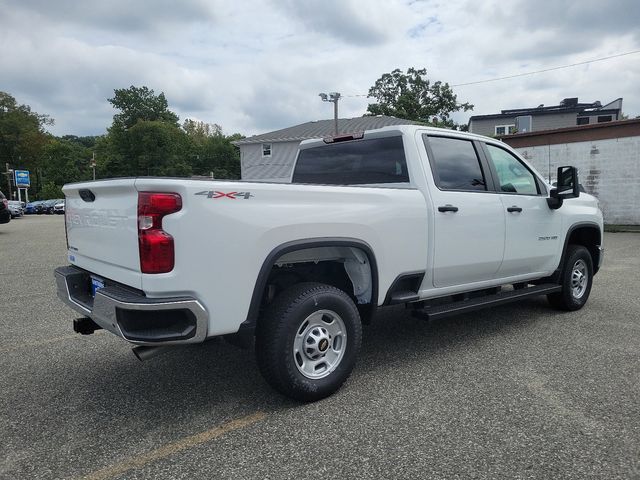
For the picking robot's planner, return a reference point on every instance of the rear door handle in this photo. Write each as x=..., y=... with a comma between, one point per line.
x=514, y=209
x=448, y=208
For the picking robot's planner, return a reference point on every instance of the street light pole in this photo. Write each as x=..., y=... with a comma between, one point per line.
x=93, y=164
x=9, y=172
x=332, y=97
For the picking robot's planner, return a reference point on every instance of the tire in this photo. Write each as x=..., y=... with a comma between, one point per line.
x=576, y=280
x=308, y=341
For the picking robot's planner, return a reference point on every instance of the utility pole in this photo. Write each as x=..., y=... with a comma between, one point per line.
x=93, y=164
x=9, y=171
x=332, y=97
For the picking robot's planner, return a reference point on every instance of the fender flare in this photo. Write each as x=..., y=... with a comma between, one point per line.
x=570, y=230
x=302, y=244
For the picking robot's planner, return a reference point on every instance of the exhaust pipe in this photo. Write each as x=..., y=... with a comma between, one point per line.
x=143, y=353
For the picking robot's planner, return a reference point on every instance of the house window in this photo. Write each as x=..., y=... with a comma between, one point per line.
x=505, y=129
x=604, y=118
x=266, y=150
x=582, y=121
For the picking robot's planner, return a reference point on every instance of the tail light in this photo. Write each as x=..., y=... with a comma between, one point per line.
x=157, y=254
x=5, y=202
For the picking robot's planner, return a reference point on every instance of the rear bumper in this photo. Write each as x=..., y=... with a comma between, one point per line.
x=131, y=315
x=600, y=257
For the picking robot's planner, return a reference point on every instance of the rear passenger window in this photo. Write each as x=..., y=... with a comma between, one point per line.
x=378, y=160
x=455, y=164
x=513, y=176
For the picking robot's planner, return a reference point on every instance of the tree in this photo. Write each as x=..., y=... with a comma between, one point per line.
x=65, y=161
x=50, y=190
x=22, y=134
x=88, y=142
x=140, y=103
x=413, y=96
x=158, y=148
x=199, y=131
x=144, y=138
x=22, y=138
x=211, y=152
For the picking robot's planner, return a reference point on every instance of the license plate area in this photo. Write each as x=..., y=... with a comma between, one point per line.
x=96, y=284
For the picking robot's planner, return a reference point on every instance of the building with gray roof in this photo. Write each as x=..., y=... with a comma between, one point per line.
x=270, y=156
x=569, y=113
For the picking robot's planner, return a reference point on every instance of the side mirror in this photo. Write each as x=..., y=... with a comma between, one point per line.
x=566, y=187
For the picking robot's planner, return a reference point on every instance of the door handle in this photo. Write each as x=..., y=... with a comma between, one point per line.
x=448, y=208
x=514, y=209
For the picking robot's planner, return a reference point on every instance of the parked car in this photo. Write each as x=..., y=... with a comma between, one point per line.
x=442, y=221
x=41, y=207
x=45, y=206
x=5, y=213
x=16, y=208
x=48, y=205
x=59, y=207
x=34, y=207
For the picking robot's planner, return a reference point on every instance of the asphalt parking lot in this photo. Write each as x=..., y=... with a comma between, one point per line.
x=519, y=391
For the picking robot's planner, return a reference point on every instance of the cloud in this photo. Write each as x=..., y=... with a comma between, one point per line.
x=357, y=23
x=117, y=15
x=522, y=29
x=258, y=66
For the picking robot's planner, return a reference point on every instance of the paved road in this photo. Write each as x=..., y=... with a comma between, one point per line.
x=514, y=392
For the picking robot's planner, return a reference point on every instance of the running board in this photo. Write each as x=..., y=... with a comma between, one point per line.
x=403, y=297
x=464, y=306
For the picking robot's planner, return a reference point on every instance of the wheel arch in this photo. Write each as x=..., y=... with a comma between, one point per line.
x=306, y=244
x=587, y=234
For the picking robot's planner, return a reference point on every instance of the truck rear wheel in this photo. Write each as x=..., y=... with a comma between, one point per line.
x=308, y=341
x=576, y=280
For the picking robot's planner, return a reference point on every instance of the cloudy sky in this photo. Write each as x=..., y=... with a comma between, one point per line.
x=254, y=66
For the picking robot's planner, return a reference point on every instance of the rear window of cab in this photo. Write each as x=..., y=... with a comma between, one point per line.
x=359, y=162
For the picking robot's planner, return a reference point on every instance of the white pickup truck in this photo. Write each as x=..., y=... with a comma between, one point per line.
x=443, y=221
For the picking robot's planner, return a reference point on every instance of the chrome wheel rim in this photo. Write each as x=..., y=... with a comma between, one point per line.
x=579, y=278
x=319, y=344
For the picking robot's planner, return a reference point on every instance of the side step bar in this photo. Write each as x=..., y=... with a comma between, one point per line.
x=464, y=306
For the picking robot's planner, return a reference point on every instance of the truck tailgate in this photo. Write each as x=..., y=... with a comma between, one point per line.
x=102, y=230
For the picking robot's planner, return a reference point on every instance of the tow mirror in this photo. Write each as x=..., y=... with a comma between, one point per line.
x=566, y=187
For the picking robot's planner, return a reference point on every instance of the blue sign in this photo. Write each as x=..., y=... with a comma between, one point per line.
x=22, y=178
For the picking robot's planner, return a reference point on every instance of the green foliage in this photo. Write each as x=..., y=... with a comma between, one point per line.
x=140, y=103
x=22, y=133
x=413, y=96
x=50, y=190
x=88, y=142
x=211, y=152
x=199, y=131
x=65, y=161
x=158, y=148
x=144, y=139
x=22, y=139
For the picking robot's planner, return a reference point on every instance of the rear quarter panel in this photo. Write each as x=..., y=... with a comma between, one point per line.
x=221, y=242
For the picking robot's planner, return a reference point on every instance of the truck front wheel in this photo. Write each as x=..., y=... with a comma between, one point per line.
x=308, y=341
x=576, y=280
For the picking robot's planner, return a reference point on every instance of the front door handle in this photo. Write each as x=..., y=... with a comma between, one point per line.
x=514, y=209
x=448, y=208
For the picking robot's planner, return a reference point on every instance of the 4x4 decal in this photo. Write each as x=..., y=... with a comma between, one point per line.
x=232, y=195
